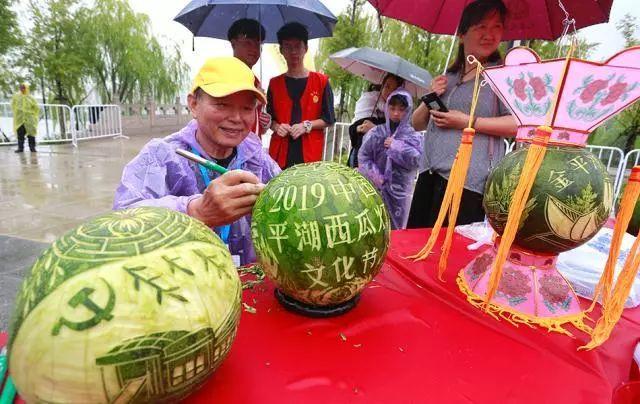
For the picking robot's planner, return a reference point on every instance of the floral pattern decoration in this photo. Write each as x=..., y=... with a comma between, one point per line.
x=595, y=97
x=514, y=286
x=531, y=93
x=555, y=292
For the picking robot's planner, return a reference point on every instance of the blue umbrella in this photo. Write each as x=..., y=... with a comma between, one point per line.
x=212, y=18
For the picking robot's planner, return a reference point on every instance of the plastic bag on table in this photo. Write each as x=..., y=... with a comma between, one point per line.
x=480, y=232
x=583, y=266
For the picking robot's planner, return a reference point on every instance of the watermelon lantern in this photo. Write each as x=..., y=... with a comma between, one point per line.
x=569, y=202
x=139, y=305
x=551, y=195
x=320, y=231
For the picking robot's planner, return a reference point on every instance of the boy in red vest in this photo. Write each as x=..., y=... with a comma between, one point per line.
x=246, y=37
x=300, y=103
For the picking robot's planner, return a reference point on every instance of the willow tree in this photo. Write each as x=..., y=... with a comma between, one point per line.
x=127, y=61
x=56, y=48
x=351, y=30
x=9, y=40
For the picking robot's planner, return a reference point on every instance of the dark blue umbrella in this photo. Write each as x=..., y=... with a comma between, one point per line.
x=212, y=18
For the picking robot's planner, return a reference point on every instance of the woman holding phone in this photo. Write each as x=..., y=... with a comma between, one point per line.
x=480, y=32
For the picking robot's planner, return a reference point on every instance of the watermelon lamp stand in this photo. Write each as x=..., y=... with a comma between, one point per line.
x=308, y=310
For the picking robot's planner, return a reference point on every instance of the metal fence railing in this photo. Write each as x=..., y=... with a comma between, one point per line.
x=613, y=160
x=96, y=121
x=54, y=125
x=337, y=143
x=630, y=159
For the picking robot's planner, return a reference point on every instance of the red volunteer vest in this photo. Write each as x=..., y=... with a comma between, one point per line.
x=257, y=127
x=311, y=105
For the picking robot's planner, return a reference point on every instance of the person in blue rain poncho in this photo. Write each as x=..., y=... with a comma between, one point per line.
x=390, y=157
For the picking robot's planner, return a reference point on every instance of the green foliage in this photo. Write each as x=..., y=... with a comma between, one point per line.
x=352, y=30
x=622, y=131
x=79, y=45
x=555, y=49
x=9, y=39
x=628, y=26
x=9, y=33
x=56, y=48
x=414, y=44
x=128, y=63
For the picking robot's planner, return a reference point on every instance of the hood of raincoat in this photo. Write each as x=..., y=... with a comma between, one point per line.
x=406, y=119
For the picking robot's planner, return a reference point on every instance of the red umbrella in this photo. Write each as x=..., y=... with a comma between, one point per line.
x=527, y=19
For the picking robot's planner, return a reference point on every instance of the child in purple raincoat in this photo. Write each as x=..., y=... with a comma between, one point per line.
x=390, y=157
x=223, y=102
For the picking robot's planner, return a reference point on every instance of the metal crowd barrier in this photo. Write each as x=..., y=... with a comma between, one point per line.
x=96, y=121
x=337, y=143
x=613, y=159
x=631, y=159
x=54, y=125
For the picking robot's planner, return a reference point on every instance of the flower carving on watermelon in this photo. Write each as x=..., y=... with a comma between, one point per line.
x=531, y=93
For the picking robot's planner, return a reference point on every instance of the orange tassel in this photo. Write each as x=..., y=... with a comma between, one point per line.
x=535, y=156
x=451, y=202
x=627, y=205
x=613, y=302
x=455, y=186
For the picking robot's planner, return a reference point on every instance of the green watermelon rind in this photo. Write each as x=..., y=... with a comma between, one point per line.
x=289, y=273
x=75, y=252
x=588, y=197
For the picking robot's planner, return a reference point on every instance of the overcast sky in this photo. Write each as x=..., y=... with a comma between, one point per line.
x=163, y=11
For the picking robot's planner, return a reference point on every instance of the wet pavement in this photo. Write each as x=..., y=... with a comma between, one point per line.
x=45, y=194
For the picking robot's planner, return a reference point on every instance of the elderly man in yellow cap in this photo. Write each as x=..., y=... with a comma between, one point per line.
x=223, y=103
x=26, y=114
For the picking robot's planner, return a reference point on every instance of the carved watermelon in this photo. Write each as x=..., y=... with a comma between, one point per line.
x=139, y=305
x=320, y=231
x=570, y=200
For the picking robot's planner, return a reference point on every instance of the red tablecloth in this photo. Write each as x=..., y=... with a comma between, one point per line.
x=413, y=339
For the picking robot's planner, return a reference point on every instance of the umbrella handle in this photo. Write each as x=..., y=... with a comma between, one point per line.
x=453, y=41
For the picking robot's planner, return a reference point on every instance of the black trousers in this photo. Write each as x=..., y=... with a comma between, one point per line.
x=22, y=133
x=427, y=199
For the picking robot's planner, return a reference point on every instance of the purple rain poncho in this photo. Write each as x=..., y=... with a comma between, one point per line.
x=393, y=170
x=159, y=177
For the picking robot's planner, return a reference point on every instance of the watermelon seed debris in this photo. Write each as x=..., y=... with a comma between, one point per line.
x=248, y=308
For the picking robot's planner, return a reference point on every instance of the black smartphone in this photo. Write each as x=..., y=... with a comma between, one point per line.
x=432, y=101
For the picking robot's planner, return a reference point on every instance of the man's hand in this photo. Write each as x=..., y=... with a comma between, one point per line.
x=365, y=127
x=439, y=85
x=283, y=129
x=297, y=130
x=264, y=119
x=226, y=199
x=452, y=119
x=387, y=142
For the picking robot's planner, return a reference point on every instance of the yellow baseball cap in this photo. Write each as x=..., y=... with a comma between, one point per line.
x=222, y=76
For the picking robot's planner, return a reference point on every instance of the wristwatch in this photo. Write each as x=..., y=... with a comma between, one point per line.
x=307, y=126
